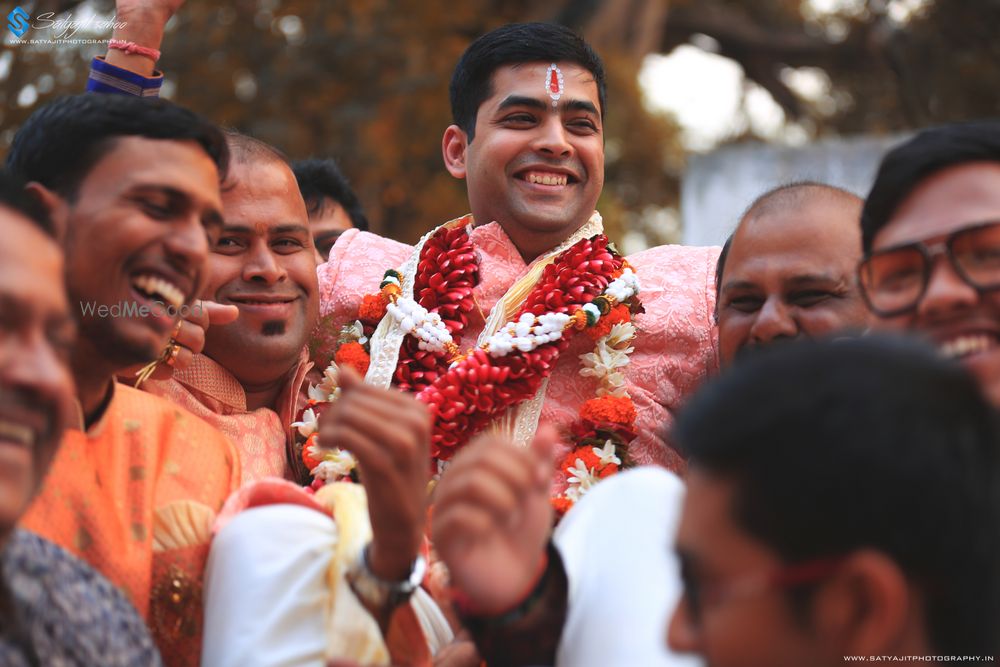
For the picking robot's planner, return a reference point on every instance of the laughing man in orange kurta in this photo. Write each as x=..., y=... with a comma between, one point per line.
x=133, y=490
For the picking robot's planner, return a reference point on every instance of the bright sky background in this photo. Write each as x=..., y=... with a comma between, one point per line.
x=704, y=92
x=713, y=101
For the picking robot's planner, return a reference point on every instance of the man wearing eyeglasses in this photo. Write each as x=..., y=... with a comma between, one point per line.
x=931, y=235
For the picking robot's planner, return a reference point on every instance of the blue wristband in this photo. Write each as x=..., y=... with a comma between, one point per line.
x=107, y=78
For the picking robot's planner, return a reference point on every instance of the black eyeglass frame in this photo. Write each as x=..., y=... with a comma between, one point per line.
x=929, y=253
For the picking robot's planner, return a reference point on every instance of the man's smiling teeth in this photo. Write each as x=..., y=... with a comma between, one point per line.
x=546, y=179
x=18, y=433
x=965, y=345
x=155, y=286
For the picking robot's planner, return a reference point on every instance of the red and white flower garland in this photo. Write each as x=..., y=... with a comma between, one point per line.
x=587, y=287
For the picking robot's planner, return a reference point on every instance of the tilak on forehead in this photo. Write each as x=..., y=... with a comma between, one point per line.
x=554, y=83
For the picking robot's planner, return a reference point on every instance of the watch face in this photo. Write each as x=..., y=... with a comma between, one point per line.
x=377, y=593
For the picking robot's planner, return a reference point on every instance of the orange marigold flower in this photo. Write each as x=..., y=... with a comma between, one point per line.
x=607, y=470
x=372, y=308
x=353, y=355
x=585, y=454
x=307, y=458
x=614, y=409
x=617, y=315
x=561, y=504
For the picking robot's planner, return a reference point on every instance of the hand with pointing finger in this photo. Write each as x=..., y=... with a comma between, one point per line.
x=189, y=337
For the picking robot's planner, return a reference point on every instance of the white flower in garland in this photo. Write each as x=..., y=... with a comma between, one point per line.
x=336, y=463
x=603, y=363
x=607, y=454
x=328, y=389
x=427, y=327
x=581, y=479
x=609, y=358
x=309, y=423
x=620, y=336
x=354, y=332
x=624, y=287
x=527, y=333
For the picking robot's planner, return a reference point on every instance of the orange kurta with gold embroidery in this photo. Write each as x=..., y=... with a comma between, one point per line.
x=135, y=496
x=264, y=437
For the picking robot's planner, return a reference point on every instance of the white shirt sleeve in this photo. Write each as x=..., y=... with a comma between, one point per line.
x=624, y=582
x=267, y=600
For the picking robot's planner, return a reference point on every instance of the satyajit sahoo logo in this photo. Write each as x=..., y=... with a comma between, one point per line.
x=18, y=21
x=49, y=29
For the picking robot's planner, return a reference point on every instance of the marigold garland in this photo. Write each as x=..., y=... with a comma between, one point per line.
x=372, y=308
x=353, y=354
x=325, y=465
x=614, y=409
x=561, y=504
x=309, y=457
x=607, y=423
x=616, y=315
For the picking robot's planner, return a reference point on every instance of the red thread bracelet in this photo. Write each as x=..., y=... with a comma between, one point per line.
x=132, y=48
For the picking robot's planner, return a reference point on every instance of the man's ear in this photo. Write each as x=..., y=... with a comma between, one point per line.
x=869, y=608
x=453, y=146
x=54, y=204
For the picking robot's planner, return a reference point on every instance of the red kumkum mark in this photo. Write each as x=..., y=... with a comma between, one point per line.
x=553, y=81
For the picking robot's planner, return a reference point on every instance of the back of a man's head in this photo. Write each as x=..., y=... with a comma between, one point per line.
x=932, y=150
x=61, y=141
x=13, y=196
x=835, y=447
x=515, y=44
x=321, y=179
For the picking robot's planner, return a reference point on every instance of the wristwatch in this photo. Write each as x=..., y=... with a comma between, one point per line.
x=377, y=593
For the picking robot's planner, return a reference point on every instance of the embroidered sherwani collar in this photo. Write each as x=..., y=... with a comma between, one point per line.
x=493, y=237
x=221, y=391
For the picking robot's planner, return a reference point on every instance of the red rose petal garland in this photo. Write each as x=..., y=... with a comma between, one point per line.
x=443, y=284
x=586, y=287
x=480, y=388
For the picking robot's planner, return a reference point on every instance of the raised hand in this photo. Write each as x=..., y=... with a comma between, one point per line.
x=389, y=433
x=159, y=10
x=143, y=21
x=492, y=519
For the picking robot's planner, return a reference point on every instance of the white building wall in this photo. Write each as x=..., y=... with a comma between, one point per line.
x=718, y=186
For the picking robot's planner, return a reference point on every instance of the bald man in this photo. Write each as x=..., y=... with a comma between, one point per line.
x=788, y=269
